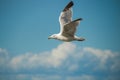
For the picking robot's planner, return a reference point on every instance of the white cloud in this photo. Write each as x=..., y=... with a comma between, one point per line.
x=15, y=77
x=100, y=55
x=46, y=77
x=58, y=77
x=113, y=77
x=53, y=58
x=73, y=67
x=82, y=77
x=67, y=57
x=115, y=62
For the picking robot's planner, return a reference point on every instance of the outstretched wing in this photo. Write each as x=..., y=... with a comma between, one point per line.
x=65, y=16
x=70, y=28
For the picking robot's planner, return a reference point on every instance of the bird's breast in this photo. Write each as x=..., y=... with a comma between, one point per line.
x=66, y=39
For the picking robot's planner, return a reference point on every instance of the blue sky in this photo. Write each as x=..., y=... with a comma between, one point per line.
x=27, y=54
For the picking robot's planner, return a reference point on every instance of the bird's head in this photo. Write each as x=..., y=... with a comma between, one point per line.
x=54, y=36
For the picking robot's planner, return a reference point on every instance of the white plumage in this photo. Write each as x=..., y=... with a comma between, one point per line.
x=67, y=26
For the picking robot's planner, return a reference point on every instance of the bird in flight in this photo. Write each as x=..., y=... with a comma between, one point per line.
x=67, y=26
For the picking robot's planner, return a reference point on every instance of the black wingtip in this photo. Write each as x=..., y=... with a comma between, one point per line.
x=69, y=5
x=79, y=19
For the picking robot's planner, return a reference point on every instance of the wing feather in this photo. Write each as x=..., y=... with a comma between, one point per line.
x=66, y=15
x=70, y=28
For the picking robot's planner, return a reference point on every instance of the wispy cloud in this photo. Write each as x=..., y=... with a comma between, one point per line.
x=82, y=77
x=46, y=77
x=3, y=57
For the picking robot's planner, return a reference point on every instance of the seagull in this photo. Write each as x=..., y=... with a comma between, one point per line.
x=67, y=26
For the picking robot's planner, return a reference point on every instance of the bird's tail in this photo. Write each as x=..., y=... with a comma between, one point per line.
x=79, y=38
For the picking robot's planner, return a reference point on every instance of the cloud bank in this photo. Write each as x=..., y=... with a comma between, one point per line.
x=54, y=58
x=86, y=63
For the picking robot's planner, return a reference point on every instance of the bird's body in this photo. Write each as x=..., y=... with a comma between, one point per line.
x=67, y=26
